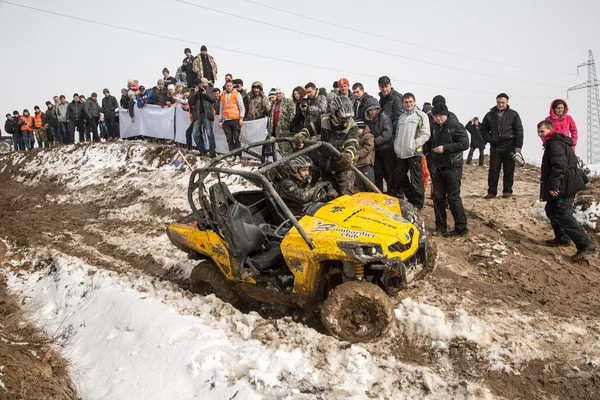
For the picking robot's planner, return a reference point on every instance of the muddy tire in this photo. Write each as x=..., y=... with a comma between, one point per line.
x=206, y=278
x=357, y=312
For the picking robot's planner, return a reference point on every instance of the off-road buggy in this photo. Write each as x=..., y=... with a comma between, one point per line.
x=349, y=253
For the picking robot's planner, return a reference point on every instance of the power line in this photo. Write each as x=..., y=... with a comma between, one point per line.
x=366, y=48
x=330, y=23
x=252, y=54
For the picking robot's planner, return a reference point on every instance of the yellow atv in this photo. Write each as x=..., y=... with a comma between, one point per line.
x=350, y=252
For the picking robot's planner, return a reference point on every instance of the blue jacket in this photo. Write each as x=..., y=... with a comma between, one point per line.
x=146, y=98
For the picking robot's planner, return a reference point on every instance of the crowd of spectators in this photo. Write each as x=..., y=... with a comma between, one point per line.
x=392, y=141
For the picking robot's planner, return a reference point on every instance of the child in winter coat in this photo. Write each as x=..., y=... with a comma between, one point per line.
x=562, y=121
x=365, y=157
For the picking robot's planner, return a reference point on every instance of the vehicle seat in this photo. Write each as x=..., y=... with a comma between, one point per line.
x=236, y=223
x=269, y=257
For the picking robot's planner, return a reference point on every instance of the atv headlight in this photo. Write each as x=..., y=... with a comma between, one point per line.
x=361, y=251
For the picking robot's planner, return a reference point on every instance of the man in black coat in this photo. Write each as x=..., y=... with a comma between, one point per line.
x=502, y=129
x=390, y=101
x=186, y=66
x=360, y=101
x=477, y=141
x=385, y=156
x=448, y=144
x=109, y=107
x=560, y=181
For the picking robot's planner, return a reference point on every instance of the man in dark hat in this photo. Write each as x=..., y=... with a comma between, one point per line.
x=168, y=79
x=109, y=109
x=448, y=144
x=187, y=66
x=502, y=129
x=390, y=100
x=205, y=66
x=92, y=114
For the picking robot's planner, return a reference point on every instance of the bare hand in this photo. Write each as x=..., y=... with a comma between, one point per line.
x=132, y=120
x=221, y=125
x=439, y=149
x=241, y=123
x=554, y=193
x=517, y=150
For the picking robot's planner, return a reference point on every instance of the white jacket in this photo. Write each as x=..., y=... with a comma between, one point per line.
x=412, y=133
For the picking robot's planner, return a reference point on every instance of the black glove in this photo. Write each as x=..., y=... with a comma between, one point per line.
x=332, y=194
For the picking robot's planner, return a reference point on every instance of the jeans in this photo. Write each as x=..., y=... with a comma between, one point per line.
x=56, y=135
x=481, y=154
x=18, y=141
x=446, y=190
x=412, y=187
x=564, y=224
x=208, y=131
x=29, y=139
x=93, y=127
x=64, y=128
x=500, y=159
x=198, y=136
x=231, y=127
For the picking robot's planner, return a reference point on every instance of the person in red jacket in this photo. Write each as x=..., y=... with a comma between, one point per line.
x=561, y=121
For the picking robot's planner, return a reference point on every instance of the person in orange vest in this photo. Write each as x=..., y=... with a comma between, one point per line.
x=26, y=125
x=40, y=124
x=232, y=116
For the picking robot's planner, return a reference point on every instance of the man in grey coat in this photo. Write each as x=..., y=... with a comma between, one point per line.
x=412, y=133
x=91, y=110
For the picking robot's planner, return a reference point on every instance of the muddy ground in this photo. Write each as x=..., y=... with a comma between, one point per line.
x=501, y=272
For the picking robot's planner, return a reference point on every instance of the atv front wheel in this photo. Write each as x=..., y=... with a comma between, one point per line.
x=206, y=278
x=357, y=311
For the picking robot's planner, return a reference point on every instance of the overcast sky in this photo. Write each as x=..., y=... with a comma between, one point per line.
x=544, y=40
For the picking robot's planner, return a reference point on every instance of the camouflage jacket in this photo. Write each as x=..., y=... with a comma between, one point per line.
x=286, y=112
x=258, y=106
x=317, y=106
x=197, y=67
x=181, y=76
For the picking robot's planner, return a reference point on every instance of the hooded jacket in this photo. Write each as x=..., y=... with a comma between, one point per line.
x=286, y=110
x=380, y=126
x=559, y=168
x=565, y=124
x=392, y=106
x=359, y=106
x=507, y=131
x=258, y=104
x=412, y=133
x=453, y=136
x=366, y=148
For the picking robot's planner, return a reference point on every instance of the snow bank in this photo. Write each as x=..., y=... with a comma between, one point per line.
x=136, y=337
x=427, y=320
x=589, y=216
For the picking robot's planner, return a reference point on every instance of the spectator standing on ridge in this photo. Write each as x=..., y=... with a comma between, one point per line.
x=385, y=156
x=200, y=102
x=168, y=79
x=40, y=125
x=61, y=111
x=124, y=100
x=180, y=76
x=258, y=104
x=17, y=132
x=360, y=103
x=280, y=117
x=232, y=116
x=131, y=106
x=217, y=104
x=187, y=66
x=412, y=133
x=477, y=141
x=52, y=118
x=344, y=86
x=390, y=101
x=314, y=106
x=109, y=109
x=92, y=114
x=159, y=93
x=560, y=181
x=297, y=122
x=238, y=85
x=10, y=127
x=75, y=118
x=562, y=121
x=448, y=144
x=26, y=125
x=205, y=66
x=502, y=129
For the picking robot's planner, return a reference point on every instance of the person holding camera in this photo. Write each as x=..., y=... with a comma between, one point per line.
x=200, y=102
x=313, y=106
x=477, y=141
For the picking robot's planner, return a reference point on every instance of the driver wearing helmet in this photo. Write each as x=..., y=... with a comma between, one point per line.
x=339, y=129
x=296, y=190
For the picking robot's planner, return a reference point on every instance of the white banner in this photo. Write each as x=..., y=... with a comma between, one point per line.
x=182, y=122
x=151, y=121
x=252, y=131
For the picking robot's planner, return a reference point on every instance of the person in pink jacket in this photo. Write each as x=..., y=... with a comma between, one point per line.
x=561, y=121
